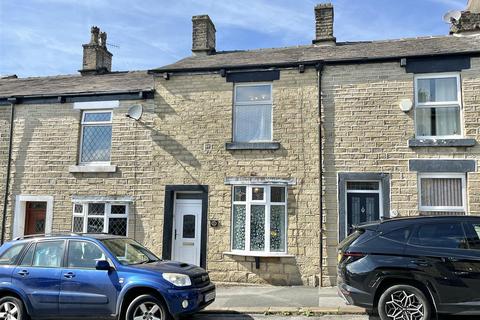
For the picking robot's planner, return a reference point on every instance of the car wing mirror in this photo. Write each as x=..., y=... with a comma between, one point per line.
x=102, y=265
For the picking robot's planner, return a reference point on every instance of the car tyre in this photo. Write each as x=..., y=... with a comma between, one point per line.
x=13, y=307
x=147, y=307
x=404, y=300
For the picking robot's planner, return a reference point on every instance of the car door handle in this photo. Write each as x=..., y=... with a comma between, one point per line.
x=450, y=259
x=69, y=275
x=421, y=263
x=23, y=273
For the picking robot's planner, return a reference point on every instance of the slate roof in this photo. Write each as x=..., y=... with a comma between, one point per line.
x=77, y=84
x=343, y=51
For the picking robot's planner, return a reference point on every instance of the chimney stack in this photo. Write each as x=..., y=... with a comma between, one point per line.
x=96, y=57
x=203, y=35
x=469, y=22
x=324, y=25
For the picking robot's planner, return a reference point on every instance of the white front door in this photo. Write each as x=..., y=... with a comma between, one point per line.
x=187, y=231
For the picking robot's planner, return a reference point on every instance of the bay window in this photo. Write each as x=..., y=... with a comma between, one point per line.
x=100, y=217
x=252, y=113
x=259, y=219
x=438, y=106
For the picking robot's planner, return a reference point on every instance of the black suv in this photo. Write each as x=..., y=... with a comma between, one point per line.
x=412, y=268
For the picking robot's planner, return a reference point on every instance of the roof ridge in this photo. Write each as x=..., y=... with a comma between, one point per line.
x=49, y=77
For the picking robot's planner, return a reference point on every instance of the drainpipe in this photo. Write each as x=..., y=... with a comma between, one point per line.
x=319, y=68
x=9, y=165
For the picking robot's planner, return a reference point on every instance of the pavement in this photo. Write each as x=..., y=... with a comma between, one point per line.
x=272, y=300
x=284, y=303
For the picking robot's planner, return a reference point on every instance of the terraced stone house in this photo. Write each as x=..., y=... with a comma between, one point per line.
x=253, y=164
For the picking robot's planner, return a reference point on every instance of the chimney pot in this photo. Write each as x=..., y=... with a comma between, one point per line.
x=324, y=17
x=94, y=35
x=203, y=35
x=96, y=57
x=103, y=39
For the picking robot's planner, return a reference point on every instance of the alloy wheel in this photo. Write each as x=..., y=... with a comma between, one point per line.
x=148, y=311
x=404, y=305
x=9, y=311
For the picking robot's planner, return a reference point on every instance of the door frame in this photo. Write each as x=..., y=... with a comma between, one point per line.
x=20, y=211
x=343, y=178
x=169, y=208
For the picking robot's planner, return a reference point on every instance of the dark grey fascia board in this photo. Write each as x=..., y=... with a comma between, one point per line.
x=440, y=165
x=253, y=76
x=81, y=97
x=438, y=64
x=309, y=63
x=252, y=145
x=418, y=143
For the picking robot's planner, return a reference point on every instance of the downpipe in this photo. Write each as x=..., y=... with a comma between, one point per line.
x=9, y=167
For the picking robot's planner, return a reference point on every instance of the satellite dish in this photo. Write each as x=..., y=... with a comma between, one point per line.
x=135, y=112
x=453, y=15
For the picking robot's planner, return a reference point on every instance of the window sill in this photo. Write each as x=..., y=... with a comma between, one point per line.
x=99, y=168
x=461, y=142
x=252, y=145
x=259, y=254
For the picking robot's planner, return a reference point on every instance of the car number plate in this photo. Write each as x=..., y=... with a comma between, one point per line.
x=209, y=296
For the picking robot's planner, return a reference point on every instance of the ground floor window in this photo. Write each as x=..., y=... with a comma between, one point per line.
x=442, y=192
x=259, y=219
x=100, y=217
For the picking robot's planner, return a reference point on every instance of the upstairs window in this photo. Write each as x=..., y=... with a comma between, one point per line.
x=438, y=106
x=100, y=217
x=259, y=219
x=252, y=113
x=96, y=137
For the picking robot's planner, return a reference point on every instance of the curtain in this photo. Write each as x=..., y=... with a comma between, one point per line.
x=253, y=123
x=441, y=192
x=438, y=121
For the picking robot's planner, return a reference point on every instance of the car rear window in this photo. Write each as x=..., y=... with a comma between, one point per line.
x=351, y=238
x=399, y=235
x=441, y=235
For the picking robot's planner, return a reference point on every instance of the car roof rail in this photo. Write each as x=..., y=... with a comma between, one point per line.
x=56, y=234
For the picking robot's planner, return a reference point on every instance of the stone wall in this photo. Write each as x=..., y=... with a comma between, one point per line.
x=193, y=111
x=46, y=142
x=180, y=140
x=365, y=131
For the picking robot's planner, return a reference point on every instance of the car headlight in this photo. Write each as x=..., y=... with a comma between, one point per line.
x=177, y=279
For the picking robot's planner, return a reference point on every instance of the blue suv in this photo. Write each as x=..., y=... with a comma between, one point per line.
x=96, y=276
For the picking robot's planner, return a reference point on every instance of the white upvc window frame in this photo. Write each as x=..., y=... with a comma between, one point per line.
x=267, y=203
x=84, y=124
x=445, y=104
x=106, y=216
x=248, y=103
x=462, y=176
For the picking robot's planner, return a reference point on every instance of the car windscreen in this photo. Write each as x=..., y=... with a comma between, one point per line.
x=128, y=251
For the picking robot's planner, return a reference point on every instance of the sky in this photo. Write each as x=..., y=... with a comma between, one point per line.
x=44, y=37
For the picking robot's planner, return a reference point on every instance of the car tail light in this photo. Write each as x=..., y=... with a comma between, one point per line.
x=352, y=255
